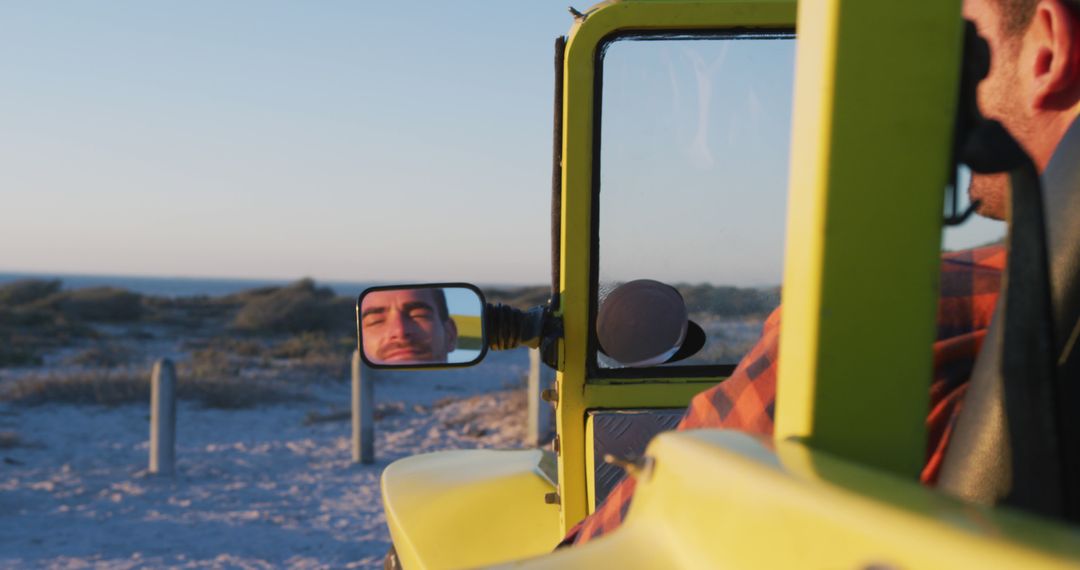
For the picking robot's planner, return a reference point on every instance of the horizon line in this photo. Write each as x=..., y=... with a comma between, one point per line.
x=77, y=274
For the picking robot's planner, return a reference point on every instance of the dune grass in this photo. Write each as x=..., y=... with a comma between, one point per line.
x=296, y=308
x=114, y=387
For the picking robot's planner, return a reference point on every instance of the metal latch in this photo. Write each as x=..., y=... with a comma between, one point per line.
x=634, y=466
x=550, y=395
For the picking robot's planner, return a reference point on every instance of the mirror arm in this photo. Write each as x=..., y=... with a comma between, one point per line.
x=508, y=327
x=549, y=341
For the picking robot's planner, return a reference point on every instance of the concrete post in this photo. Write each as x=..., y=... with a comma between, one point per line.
x=163, y=418
x=541, y=416
x=363, y=411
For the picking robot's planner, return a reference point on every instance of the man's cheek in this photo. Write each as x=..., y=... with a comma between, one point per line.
x=988, y=97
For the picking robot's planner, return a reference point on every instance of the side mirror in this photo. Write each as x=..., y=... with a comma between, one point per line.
x=421, y=326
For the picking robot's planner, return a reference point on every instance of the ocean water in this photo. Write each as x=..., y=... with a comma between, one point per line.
x=177, y=286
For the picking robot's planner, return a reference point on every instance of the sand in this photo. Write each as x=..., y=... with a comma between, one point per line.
x=267, y=487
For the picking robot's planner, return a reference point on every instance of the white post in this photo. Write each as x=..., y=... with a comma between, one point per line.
x=363, y=411
x=163, y=417
x=540, y=412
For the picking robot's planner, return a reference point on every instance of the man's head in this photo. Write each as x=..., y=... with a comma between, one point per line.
x=1033, y=87
x=407, y=326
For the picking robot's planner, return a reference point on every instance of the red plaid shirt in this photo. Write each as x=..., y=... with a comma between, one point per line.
x=746, y=401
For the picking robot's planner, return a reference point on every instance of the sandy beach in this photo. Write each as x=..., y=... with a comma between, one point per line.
x=264, y=487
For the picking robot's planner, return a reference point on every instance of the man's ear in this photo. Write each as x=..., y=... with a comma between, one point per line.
x=451, y=335
x=1055, y=61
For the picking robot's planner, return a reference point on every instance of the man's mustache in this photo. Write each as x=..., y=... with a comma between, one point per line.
x=418, y=346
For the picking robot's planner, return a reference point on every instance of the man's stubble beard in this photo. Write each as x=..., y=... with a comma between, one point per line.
x=991, y=191
x=423, y=350
x=1000, y=101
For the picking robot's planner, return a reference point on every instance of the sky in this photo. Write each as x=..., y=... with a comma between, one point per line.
x=350, y=141
x=694, y=160
x=340, y=140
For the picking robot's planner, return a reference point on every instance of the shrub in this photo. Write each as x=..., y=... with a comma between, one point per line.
x=241, y=347
x=101, y=304
x=317, y=354
x=26, y=333
x=15, y=356
x=26, y=291
x=210, y=363
x=302, y=346
x=730, y=301
x=296, y=308
x=190, y=312
x=231, y=394
x=106, y=387
x=106, y=355
x=248, y=295
x=115, y=387
x=31, y=316
x=212, y=378
x=520, y=297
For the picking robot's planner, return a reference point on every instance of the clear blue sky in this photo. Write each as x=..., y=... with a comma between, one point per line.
x=341, y=140
x=364, y=141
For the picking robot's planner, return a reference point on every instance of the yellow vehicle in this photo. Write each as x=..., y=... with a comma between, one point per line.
x=874, y=114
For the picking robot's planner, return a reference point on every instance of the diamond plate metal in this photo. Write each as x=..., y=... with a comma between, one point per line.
x=625, y=433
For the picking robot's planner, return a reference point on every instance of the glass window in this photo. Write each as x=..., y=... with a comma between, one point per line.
x=977, y=231
x=693, y=177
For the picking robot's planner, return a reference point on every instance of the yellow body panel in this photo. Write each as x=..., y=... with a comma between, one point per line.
x=644, y=395
x=463, y=509
x=468, y=325
x=871, y=148
x=590, y=461
x=470, y=331
x=722, y=499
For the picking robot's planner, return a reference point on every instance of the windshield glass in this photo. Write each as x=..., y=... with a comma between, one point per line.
x=693, y=177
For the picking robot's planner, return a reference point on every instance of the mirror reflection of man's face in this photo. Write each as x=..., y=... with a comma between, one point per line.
x=404, y=326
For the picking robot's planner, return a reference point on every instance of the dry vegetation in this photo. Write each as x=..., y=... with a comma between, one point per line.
x=249, y=348
x=300, y=307
x=728, y=302
x=37, y=316
x=520, y=297
x=113, y=387
x=31, y=324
